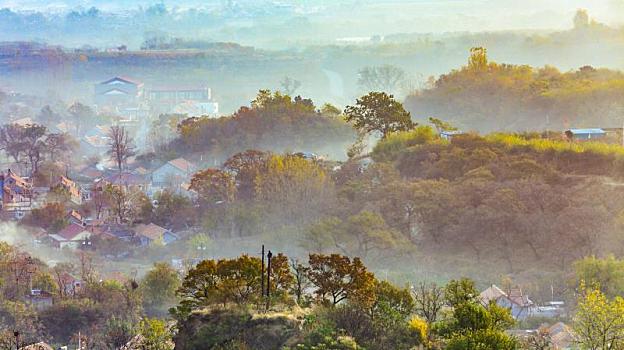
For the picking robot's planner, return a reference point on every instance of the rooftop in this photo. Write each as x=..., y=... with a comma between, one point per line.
x=151, y=231
x=182, y=164
x=587, y=131
x=70, y=232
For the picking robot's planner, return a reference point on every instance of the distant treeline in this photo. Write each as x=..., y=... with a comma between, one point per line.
x=489, y=96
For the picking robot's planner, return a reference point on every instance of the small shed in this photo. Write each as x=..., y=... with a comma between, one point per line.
x=585, y=134
x=449, y=134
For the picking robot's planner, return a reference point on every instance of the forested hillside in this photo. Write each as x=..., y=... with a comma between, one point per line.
x=489, y=96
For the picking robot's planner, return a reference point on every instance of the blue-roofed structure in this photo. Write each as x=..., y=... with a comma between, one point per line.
x=585, y=134
x=448, y=135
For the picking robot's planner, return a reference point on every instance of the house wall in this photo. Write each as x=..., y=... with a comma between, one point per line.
x=163, y=175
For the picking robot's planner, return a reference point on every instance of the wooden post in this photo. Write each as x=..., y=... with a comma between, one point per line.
x=268, y=293
x=262, y=270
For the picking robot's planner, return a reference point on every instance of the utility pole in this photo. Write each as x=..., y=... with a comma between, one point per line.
x=262, y=271
x=268, y=291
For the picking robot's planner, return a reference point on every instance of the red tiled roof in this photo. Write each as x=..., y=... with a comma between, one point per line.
x=71, y=231
x=151, y=231
x=182, y=164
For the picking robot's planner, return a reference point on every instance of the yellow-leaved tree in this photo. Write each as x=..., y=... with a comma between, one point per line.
x=599, y=321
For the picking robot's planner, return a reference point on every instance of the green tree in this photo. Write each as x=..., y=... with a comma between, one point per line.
x=155, y=335
x=461, y=291
x=159, y=288
x=379, y=112
x=605, y=274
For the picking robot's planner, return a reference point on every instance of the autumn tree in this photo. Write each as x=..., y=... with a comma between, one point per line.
x=214, y=186
x=52, y=216
x=282, y=278
x=225, y=281
x=599, y=322
x=379, y=112
x=478, y=60
x=337, y=278
x=120, y=146
x=246, y=167
x=293, y=186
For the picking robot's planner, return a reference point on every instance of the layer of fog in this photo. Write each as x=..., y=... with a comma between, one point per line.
x=281, y=24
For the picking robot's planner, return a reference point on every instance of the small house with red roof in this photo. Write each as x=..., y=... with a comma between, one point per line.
x=514, y=299
x=153, y=234
x=72, y=236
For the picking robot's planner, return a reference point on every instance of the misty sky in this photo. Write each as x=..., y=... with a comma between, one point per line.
x=426, y=15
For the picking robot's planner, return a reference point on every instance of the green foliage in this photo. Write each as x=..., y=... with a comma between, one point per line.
x=472, y=325
x=159, y=288
x=274, y=122
x=461, y=291
x=155, y=335
x=389, y=148
x=224, y=281
x=605, y=274
x=485, y=95
x=378, y=112
x=599, y=321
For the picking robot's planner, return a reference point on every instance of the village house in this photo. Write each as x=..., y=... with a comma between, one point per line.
x=117, y=231
x=517, y=302
x=70, y=284
x=72, y=236
x=148, y=235
x=40, y=299
x=173, y=173
x=17, y=194
x=76, y=195
x=74, y=217
x=118, y=91
x=127, y=180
